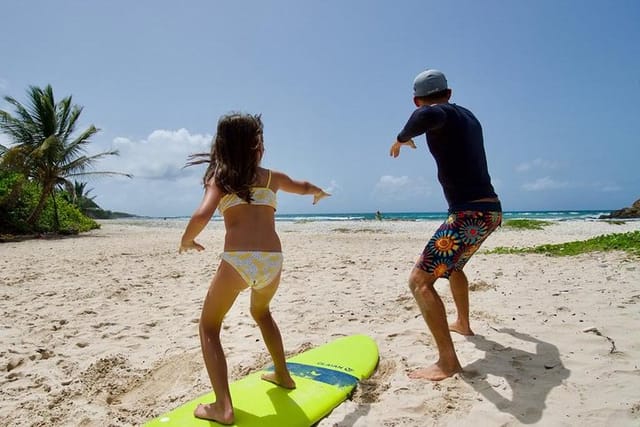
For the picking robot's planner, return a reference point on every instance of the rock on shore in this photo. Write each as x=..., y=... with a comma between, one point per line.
x=631, y=212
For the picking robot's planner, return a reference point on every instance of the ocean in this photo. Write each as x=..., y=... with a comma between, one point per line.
x=438, y=216
x=556, y=215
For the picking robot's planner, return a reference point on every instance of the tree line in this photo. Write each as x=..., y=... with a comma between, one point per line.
x=41, y=166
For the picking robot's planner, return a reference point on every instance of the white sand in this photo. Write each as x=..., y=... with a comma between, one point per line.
x=101, y=329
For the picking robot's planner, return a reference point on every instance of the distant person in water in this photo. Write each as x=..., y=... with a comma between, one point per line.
x=378, y=215
x=245, y=194
x=454, y=138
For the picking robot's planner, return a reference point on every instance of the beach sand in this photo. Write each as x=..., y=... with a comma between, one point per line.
x=101, y=329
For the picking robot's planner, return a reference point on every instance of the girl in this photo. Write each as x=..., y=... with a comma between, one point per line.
x=245, y=194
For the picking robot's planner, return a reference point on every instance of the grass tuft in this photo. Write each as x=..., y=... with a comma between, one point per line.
x=628, y=242
x=526, y=224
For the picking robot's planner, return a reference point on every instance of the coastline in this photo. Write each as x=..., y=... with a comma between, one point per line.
x=101, y=328
x=557, y=215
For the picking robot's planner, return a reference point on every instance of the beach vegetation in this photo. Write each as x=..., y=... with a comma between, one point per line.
x=526, y=224
x=77, y=194
x=47, y=151
x=358, y=230
x=19, y=196
x=615, y=222
x=628, y=242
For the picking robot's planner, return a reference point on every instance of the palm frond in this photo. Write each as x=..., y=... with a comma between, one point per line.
x=80, y=165
x=21, y=111
x=50, y=143
x=18, y=130
x=75, y=147
x=70, y=123
x=103, y=173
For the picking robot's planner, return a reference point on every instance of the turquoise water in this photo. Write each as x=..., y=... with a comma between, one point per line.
x=437, y=216
x=407, y=216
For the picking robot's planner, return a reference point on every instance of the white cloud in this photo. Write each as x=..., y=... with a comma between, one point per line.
x=546, y=183
x=333, y=187
x=161, y=155
x=401, y=188
x=610, y=189
x=606, y=187
x=160, y=185
x=538, y=164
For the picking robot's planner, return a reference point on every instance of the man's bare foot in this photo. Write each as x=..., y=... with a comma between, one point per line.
x=211, y=412
x=287, y=382
x=434, y=372
x=462, y=330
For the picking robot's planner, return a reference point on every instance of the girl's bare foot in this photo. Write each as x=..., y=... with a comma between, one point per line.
x=434, y=372
x=459, y=328
x=212, y=412
x=286, y=382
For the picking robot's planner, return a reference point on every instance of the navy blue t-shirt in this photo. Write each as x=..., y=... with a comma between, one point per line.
x=454, y=137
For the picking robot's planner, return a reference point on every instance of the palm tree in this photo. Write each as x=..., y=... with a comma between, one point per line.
x=78, y=195
x=44, y=146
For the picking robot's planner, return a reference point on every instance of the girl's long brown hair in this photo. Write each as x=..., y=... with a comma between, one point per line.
x=235, y=154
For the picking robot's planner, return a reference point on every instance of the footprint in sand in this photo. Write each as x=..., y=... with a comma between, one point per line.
x=369, y=390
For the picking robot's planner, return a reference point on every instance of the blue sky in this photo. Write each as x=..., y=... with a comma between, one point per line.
x=556, y=85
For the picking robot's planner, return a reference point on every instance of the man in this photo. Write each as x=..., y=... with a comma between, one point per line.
x=454, y=138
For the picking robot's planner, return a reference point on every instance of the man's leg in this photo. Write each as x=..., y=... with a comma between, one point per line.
x=460, y=291
x=421, y=284
x=475, y=233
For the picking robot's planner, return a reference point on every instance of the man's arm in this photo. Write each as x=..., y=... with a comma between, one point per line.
x=422, y=120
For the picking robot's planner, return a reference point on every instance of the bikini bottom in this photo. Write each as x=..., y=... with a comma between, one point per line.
x=257, y=269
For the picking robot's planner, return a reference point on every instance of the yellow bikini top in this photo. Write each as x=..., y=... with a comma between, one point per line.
x=263, y=196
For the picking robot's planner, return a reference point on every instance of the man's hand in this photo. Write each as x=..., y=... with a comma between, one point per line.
x=189, y=245
x=395, y=148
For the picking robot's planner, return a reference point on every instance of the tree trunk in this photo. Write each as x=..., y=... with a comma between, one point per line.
x=56, y=220
x=35, y=215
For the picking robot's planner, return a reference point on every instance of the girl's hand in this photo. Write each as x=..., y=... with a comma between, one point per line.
x=319, y=196
x=186, y=246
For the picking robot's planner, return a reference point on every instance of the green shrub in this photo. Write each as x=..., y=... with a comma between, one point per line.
x=628, y=242
x=71, y=220
x=14, y=203
x=18, y=198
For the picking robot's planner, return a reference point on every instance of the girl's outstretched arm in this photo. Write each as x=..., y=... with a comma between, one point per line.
x=201, y=217
x=285, y=183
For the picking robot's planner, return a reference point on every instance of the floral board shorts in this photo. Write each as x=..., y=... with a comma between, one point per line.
x=457, y=239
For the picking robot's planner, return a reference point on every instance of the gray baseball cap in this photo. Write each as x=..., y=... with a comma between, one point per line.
x=428, y=82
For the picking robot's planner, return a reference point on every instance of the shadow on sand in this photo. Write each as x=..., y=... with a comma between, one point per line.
x=530, y=376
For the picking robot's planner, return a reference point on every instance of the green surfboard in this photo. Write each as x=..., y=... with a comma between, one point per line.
x=324, y=378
